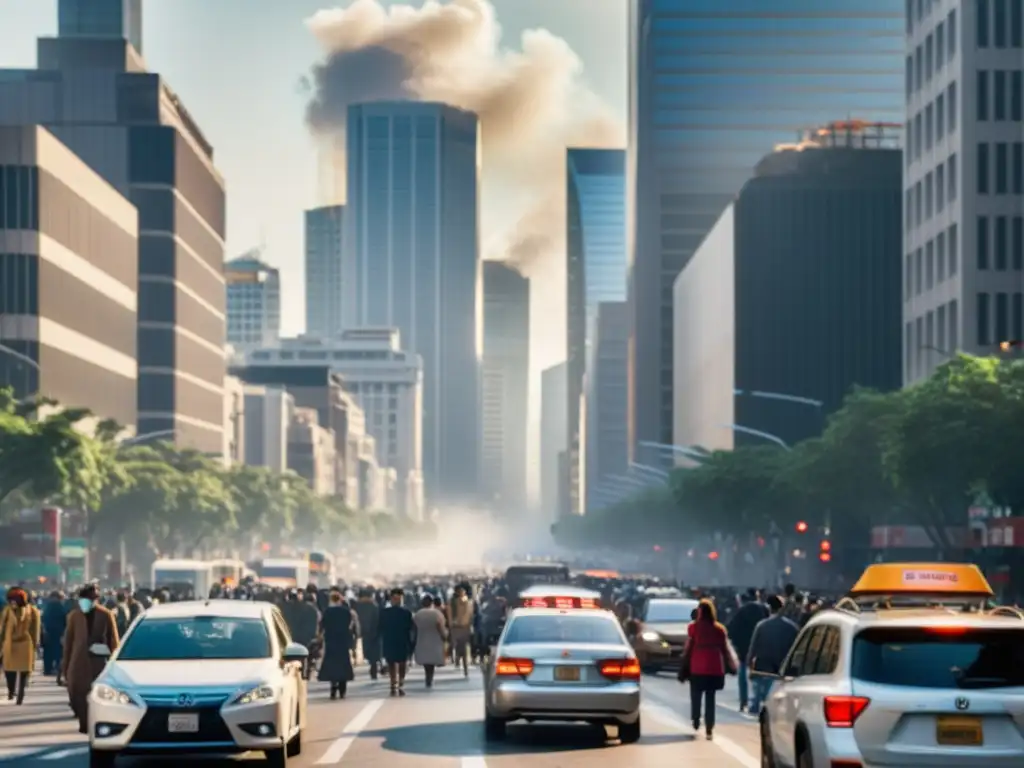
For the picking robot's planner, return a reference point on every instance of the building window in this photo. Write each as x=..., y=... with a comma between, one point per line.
x=1002, y=317
x=929, y=58
x=999, y=95
x=929, y=264
x=940, y=116
x=954, y=326
x=1002, y=168
x=981, y=23
x=982, y=161
x=19, y=186
x=1017, y=242
x=1017, y=94
x=984, y=334
x=1017, y=23
x=940, y=256
x=952, y=31
x=951, y=173
x=908, y=276
x=1018, y=168
x=940, y=187
x=908, y=370
x=940, y=45
x=1001, y=246
x=1018, y=316
x=951, y=103
x=953, y=246
x=981, y=96
x=999, y=23
x=982, y=242
x=918, y=271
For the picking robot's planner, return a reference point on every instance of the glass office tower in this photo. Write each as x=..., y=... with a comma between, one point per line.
x=713, y=86
x=595, y=273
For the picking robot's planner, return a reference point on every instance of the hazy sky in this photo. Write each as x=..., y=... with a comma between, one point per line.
x=237, y=64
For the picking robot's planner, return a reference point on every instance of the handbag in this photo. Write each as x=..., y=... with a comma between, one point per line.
x=684, y=663
x=730, y=659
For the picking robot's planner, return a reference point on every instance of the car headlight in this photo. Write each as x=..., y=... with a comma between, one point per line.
x=109, y=695
x=259, y=693
x=651, y=637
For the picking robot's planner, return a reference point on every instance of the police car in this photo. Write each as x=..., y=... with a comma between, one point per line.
x=914, y=668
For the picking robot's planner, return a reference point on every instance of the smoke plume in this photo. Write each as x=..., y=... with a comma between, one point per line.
x=532, y=103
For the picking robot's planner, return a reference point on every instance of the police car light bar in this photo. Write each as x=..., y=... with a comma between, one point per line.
x=561, y=602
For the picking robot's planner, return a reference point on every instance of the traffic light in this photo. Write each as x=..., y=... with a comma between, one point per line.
x=712, y=555
x=825, y=551
x=801, y=527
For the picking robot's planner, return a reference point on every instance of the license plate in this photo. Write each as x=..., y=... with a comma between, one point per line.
x=567, y=674
x=183, y=724
x=956, y=731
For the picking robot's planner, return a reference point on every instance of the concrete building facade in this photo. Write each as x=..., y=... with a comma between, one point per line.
x=554, y=431
x=68, y=278
x=607, y=396
x=963, y=257
x=93, y=92
x=268, y=412
x=312, y=451
x=413, y=176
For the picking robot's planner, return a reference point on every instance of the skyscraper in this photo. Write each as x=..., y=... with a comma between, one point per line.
x=101, y=19
x=595, y=272
x=505, y=383
x=413, y=171
x=963, y=181
x=324, y=277
x=143, y=141
x=713, y=86
x=254, y=302
x=607, y=396
x=553, y=438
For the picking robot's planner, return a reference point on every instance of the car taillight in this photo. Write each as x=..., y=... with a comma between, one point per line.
x=513, y=667
x=620, y=669
x=843, y=711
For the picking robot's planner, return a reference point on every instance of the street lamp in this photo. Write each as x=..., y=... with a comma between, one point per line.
x=147, y=436
x=758, y=433
x=645, y=469
x=22, y=358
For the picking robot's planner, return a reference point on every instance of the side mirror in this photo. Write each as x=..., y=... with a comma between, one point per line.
x=99, y=651
x=295, y=652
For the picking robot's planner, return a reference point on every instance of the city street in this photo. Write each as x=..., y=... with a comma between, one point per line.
x=439, y=728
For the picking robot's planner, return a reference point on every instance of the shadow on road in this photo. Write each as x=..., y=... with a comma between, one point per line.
x=462, y=739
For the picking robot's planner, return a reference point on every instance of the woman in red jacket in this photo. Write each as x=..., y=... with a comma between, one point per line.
x=709, y=657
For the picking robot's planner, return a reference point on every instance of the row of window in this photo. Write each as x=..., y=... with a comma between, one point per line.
x=1005, y=322
x=999, y=95
x=932, y=55
x=1000, y=172
x=1000, y=242
x=19, y=197
x=930, y=195
x=930, y=340
x=999, y=23
x=931, y=124
x=932, y=263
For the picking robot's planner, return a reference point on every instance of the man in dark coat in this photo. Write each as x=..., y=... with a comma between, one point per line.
x=88, y=624
x=339, y=626
x=303, y=621
x=773, y=637
x=397, y=640
x=741, y=630
x=55, y=621
x=369, y=629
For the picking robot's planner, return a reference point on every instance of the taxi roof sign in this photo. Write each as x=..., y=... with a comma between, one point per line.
x=963, y=579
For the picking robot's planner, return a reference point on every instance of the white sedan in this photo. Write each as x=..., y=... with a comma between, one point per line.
x=214, y=676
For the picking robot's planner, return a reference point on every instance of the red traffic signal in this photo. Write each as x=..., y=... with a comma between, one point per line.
x=801, y=527
x=826, y=546
x=760, y=541
x=825, y=557
x=712, y=555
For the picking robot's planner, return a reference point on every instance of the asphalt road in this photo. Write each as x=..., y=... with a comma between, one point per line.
x=439, y=728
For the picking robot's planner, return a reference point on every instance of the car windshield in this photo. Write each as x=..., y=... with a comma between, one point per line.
x=194, y=638
x=665, y=611
x=568, y=628
x=923, y=658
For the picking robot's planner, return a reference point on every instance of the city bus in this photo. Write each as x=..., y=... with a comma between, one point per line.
x=229, y=572
x=322, y=569
x=285, y=572
x=519, y=577
x=176, y=574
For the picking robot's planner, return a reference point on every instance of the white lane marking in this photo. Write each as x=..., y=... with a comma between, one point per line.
x=64, y=753
x=474, y=761
x=737, y=710
x=338, y=749
x=668, y=718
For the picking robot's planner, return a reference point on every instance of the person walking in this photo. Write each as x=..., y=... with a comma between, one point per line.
x=89, y=624
x=339, y=627
x=369, y=630
x=430, y=638
x=55, y=621
x=707, y=657
x=461, y=614
x=396, y=635
x=741, y=629
x=20, y=629
x=769, y=646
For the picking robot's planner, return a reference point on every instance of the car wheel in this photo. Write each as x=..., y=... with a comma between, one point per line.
x=494, y=729
x=804, y=758
x=276, y=758
x=767, y=750
x=294, y=747
x=99, y=758
x=629, y=733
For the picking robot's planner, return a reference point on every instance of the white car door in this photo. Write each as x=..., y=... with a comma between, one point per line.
x=784, y=700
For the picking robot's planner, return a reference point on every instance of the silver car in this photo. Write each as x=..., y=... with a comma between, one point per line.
x=216, y=676
x=571, y=665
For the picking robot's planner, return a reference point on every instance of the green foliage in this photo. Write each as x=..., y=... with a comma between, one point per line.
x=168, y=499
x=916, y=456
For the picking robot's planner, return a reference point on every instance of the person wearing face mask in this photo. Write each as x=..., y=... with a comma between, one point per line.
x=19, y=638
x=88, y=624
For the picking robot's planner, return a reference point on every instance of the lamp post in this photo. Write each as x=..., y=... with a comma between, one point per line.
x=147, y=436
x=21, y=357
x=758, y=433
